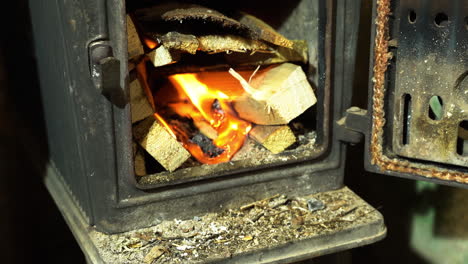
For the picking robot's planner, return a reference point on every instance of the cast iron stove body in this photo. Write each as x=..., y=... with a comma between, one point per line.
x=90, y=132
x=89, y=128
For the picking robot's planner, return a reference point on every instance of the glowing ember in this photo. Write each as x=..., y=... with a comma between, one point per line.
x=212, y=105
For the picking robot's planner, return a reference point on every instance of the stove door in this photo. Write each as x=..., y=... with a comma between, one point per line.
x=418, y=117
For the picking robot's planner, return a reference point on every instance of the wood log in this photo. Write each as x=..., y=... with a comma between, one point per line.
x=180, y=42
x=198, y=15
x=143, y=75
x=163, y=56
x=131, y=65
x=229, y=43
x=135, y=47
x=187, y=43
x=165, y=17
x=274, y=138
x=160, y=143
x=140, y=106
x=206, y=129
x=139, y=160
x=274, y=96
x=298, y=53
x=171, y=16
x=264, y=31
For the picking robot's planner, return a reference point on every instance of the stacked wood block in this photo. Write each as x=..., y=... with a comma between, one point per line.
x=272, y=99
x=274, y=138
x=268, y=98
x=160, y=143
x=149, y=134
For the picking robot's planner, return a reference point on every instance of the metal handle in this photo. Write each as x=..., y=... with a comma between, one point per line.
x=105, y=72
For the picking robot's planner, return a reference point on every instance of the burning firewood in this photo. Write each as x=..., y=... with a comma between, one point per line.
x=207, y=145
x=206, y=129
x=140, y=105
x=139, y=160
x=158, y=141
x=135, y=47
x=274, y=96
x=198, y=103
x=196, y=133
x=274, y=138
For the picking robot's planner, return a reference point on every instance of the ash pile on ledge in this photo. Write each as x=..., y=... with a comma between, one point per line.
x=202, y=82
x=259, y=226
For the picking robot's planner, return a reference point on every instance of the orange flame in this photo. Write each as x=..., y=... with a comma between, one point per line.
x=150, y=43
x=212, y=105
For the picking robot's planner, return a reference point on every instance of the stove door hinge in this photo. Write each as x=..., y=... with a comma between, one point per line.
x=352, y=127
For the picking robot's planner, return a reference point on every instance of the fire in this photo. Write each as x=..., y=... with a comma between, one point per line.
x=150, y=43
x=212, y=105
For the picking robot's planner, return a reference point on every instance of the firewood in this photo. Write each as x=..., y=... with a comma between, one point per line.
x=298, y=53
x=194, y=13
x=180, y=42
x=206, y=129
x=274, y=96
x=228, y=43
x=187, y=43
x=160, y=143
x=192, y=18
x=192, y=132
x=135, y=47
x=163, y=56
x=139, y=160
x=264, y=31
x=274, y=138
x=142, y=75
x=131, y=65
x=140, y=106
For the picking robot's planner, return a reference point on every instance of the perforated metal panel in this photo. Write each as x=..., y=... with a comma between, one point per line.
x=419, y=90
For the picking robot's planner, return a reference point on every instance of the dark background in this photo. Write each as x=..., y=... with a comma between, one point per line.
x=33, y=230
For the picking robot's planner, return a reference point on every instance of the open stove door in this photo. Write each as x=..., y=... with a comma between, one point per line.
x=417, y=122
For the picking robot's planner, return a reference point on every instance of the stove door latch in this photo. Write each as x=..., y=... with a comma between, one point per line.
x=352, y=127
x=104, y=69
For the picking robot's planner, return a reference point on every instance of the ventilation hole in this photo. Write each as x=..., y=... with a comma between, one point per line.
x=462, y=139
x=406, y=119
x=441, y=20
x=412, y=16
x=461, y=82
x=436, y=108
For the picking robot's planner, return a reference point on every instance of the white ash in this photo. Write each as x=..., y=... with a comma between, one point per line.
x=212, y=236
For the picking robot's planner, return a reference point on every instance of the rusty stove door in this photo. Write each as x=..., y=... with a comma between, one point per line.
x=418, y=115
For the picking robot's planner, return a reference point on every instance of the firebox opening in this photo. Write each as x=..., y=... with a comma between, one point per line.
x=221, y=89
